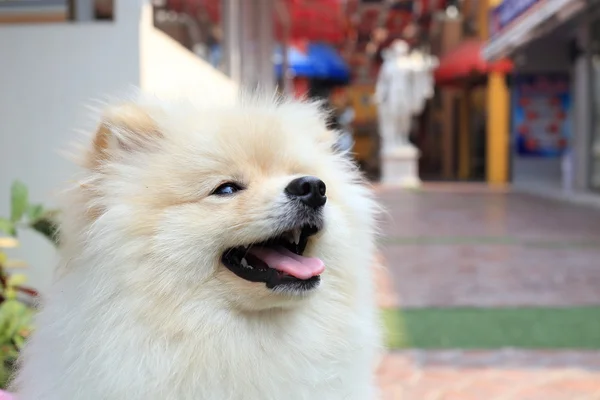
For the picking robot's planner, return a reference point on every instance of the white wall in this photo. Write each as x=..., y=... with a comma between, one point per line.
x=538, y=171
x=48, y=74
x=169, y=69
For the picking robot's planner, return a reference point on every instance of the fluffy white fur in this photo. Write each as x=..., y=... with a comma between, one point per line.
x=143, y=308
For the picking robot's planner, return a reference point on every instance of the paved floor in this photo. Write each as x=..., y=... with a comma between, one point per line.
x=466, y=246
x=490, y=249
x=491, y=375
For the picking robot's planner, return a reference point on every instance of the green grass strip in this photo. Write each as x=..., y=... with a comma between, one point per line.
x=493, y=328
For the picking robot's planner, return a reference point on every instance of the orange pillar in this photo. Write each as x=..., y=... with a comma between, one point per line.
x=498, y=126
x=498, y=135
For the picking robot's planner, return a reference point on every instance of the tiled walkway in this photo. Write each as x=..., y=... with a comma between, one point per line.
x=479, y=248
x=491, y=375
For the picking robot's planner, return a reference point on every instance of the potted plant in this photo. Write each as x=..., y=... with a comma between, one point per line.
x=16, y=300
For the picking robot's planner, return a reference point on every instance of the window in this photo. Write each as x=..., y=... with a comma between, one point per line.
x=18, y=11
x=52, y=11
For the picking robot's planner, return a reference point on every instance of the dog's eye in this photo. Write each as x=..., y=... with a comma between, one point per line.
x=226, y=189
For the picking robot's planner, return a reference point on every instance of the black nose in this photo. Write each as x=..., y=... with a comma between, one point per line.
x=309, y=190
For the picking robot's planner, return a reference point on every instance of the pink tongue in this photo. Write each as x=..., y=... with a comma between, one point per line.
x=292, y=264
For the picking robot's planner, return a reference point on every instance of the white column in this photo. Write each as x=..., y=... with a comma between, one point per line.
x=232, y=44
x=581, y=113
x=249, y=42
x=266, y=45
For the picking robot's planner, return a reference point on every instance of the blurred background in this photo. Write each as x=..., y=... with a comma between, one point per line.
x=476, y=120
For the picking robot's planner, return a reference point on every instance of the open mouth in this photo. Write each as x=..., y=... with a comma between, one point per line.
x=278, y=261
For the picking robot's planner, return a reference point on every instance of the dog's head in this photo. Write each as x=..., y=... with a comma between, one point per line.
x=250, y=202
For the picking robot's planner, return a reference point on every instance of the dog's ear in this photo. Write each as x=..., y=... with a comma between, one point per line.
x=123, y=129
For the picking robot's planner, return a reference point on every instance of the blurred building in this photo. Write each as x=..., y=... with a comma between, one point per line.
x=552, y=137
x=453, y=132
x=516, y=99
x=61, y=58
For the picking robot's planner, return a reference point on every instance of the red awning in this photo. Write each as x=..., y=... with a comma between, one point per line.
x=465, y=60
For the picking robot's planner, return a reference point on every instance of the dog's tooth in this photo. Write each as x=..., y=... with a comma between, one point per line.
x=296, y=234
x=289, y=236
x=244, y=263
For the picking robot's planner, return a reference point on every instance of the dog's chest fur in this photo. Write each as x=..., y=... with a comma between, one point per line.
x=305, y=354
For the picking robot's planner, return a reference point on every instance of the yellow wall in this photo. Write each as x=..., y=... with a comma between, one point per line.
x=361, y=98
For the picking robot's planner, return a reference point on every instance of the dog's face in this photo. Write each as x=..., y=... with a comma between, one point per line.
x=249, y=203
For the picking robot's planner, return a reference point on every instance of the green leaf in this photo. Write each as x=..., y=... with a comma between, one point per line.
x=19, y=342
x=35, y=212
x=19, y=200
x=16, y=280
x=47, y=227
x=7, y=227
x=10, y=294
x=5, y=373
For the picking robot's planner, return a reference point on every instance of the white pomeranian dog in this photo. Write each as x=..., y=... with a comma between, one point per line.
x=210, y=253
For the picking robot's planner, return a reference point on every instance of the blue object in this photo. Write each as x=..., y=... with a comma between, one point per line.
x=507, y=12
x=546, y=96
x=321, y=61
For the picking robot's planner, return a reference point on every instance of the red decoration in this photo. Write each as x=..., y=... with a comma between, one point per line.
x=524, y=130
x=314, y=20
x=531, y=144
x=553, y=128
x=562, y=143
x=300, y=87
